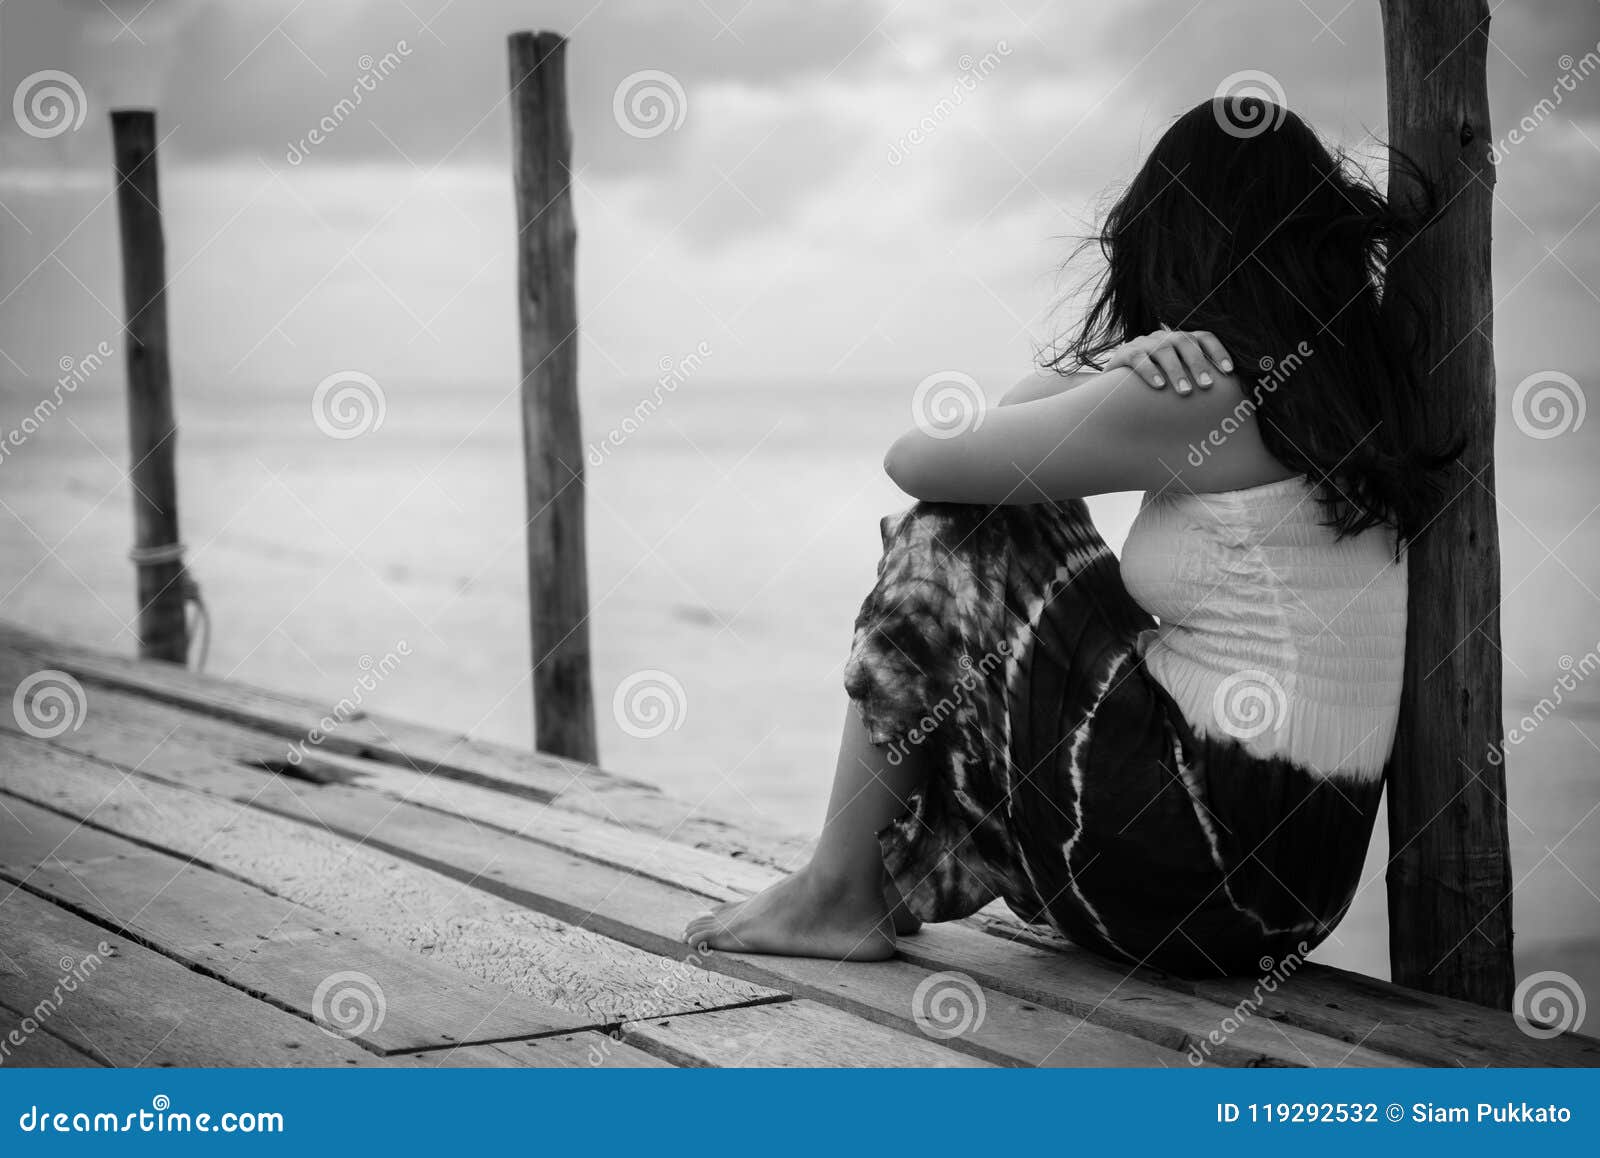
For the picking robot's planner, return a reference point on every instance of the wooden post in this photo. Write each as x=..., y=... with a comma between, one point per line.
x=152, y=430
x=1449, y=874
x=558, y=583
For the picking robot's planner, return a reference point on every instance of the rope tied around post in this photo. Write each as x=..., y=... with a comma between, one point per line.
x=167, y=554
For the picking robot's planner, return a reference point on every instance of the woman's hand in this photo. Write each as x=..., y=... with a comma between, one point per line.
x=1178, y=356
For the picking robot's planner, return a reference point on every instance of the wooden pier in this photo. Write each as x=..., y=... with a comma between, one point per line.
x=176, y=890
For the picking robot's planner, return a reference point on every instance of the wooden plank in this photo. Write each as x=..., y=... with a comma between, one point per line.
x=1427, y=1027
x=127, y=729
x=1090, y=986
x=789, y=1033
x=184, y=748
x=39, y=1050
x=1079, y=982
x=574, y=1051
x=367, y=889
x=130, y=729
x=1061, y=1039
x=1391, y=1019
x=652, y=915
x=138, y=1008
x=649, y=915
x=384, y=999
x=579, y=787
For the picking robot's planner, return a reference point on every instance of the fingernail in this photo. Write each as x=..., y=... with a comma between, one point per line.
x=1183, y=386
x=1227, y=366
x=1159, y=380
x=1205, y=378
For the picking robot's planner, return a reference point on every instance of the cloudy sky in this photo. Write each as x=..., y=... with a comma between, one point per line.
x=784, y=216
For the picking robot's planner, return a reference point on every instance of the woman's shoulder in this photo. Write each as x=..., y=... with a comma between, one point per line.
x=1216, y=428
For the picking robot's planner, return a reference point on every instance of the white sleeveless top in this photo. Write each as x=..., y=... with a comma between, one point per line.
x=1273, y=631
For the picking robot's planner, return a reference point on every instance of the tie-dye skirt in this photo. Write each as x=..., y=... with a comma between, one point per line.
x=1000, y=647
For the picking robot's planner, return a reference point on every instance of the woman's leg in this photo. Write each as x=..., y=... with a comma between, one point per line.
x=837, y=906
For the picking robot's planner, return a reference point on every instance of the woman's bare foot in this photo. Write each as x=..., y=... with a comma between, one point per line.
x=802, y=916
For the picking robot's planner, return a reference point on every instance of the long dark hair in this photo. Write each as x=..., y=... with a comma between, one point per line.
x=1242, y=222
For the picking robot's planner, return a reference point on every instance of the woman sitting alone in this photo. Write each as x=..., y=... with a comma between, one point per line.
x=1174, y=759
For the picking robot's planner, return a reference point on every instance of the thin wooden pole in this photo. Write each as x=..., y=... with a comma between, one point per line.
x=152, y=429
x=1449, y=876
x=558, y=583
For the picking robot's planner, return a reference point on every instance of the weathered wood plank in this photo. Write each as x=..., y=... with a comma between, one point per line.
x=358, y=814
x=138, y=1008
x=579, y=787
x=39, y=1050
x=368, y=889
x=478, y=856
x=382, y=998
x=1408, y=1022
x=575, y=1051
x=177, y=745
x=127, y=729
x=652, y=915
x=1314, y=1010
x=789, y=1033
x=1390, y=1019
x=1079, y=982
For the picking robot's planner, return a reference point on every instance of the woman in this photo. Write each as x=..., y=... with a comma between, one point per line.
x=1177, y=760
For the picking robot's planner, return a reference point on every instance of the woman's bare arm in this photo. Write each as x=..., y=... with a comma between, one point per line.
x=1109, y=432
x=1043, y=383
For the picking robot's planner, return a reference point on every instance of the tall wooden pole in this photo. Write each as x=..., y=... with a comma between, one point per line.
x=1449, y=875
x=152, y=430
x=558, y=584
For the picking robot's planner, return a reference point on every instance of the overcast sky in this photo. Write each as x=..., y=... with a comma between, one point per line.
x=782, y=215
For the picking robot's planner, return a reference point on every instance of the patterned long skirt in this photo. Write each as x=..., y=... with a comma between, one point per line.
x=1000, y=647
